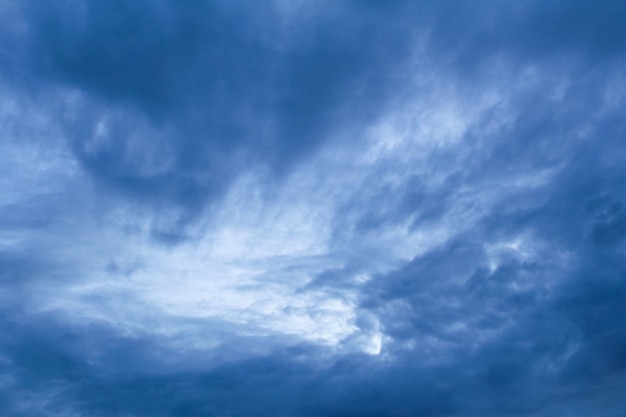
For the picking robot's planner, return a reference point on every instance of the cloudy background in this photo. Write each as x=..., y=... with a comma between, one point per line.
x=312, y=208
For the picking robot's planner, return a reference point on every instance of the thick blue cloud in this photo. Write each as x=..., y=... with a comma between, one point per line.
x=217, y=87
x=478, y=245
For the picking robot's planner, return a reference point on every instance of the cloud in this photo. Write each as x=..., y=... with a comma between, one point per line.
x=173, y=102
x=218, y=209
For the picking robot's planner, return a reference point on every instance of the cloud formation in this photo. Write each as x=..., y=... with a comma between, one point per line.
x=312, y=209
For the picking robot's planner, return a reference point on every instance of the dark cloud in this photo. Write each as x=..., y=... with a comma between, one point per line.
x=553, y=320
x=515, y=308
x=180, y=98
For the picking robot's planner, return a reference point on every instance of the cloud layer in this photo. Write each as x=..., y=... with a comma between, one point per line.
x=312, y=208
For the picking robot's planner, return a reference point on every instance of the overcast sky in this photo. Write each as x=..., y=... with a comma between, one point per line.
x=291, y=208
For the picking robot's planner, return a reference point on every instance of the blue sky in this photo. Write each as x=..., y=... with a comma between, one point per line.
x=312, y=208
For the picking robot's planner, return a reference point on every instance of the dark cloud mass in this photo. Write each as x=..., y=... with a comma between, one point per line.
x=180, y=98
x=292, y=208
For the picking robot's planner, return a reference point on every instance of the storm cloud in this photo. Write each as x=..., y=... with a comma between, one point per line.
x=294, y=208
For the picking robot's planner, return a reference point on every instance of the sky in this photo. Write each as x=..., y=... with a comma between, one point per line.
x=298, y=208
